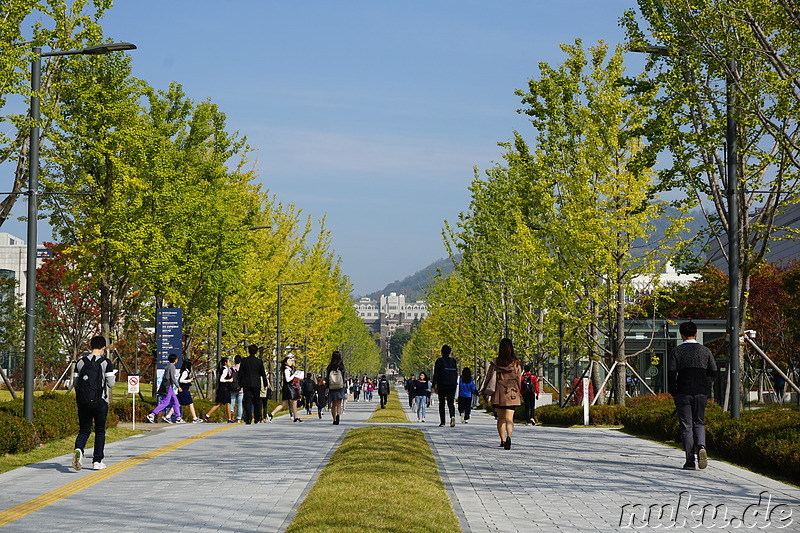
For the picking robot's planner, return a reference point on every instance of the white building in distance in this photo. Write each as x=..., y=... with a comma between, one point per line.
x=13, y=260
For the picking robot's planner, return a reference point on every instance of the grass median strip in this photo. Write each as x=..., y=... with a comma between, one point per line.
x=392, y=414
x=379, y=479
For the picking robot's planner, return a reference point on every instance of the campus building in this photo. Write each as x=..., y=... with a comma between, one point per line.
x=13, y=261
x=389, y=314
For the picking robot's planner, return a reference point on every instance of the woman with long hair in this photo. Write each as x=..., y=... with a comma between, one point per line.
x=184, y=394
x=506, y=396
x=223, y=396
x=336, y=382
x=290, y=393
x=421, y=389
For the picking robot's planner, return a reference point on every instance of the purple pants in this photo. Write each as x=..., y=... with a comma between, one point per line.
x=170, y=400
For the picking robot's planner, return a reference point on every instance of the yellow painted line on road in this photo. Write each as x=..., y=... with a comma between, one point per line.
x=40, y=502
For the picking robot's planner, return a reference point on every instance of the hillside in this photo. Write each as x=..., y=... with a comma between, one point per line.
x=413, y=286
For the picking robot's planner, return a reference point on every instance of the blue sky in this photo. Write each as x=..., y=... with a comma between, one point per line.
x=370, y=113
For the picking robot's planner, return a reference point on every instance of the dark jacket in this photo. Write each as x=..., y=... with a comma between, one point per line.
x=690, y=366
x=442, y=378
x=251, y=372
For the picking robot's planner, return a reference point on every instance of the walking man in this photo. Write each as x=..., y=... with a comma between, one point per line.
x=383, y=391
x=251, y=377
x=445, y=381
x=690, y=366
x=94, y=374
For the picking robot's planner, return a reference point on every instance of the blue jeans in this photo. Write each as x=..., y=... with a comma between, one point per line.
x=422, y=402
x=236, y=403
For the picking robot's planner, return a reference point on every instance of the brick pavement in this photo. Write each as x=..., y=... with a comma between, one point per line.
x=246, y=478
x=253, y=478
x=562, y=479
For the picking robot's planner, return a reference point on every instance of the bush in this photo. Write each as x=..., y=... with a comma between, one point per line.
x=17, y=435
x=599, y=415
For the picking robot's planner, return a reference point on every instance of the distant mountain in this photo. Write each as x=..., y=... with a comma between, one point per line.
x=413, y=286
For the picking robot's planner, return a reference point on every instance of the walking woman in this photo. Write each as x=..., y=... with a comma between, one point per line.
x=506, y=372
x=223, y=392
x=184, y=394
x=337, y=385
x=421, y=395
x=290, y=392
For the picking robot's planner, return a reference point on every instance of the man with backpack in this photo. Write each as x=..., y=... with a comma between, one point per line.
x=94, y=374
x=445, y=382
x=529, y=384
x=383, y=391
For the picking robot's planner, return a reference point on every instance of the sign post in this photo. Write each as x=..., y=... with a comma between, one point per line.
x=585, y=384
x=169, y=339
x=133, y=389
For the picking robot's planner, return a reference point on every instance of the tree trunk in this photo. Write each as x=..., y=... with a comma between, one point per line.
x=619, y=337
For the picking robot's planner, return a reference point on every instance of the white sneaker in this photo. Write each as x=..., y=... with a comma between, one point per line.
x=77, y=459
x=452, y=421
x=151, y=418
x=180, y=420
x=98, y=466
x=198, y=421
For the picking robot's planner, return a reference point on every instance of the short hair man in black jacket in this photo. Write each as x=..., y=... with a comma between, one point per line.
x=690, y=366
x=445, y=383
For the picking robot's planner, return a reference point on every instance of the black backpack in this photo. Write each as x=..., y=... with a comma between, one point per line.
x=309, y=388
x=234, y=385
x=383, y=387
x=527, y=386
x=91, y=383
x=449, y=373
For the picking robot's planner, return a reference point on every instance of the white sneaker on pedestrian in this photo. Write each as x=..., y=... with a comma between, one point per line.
x=98, y=466
x=269, y=418
x=197, y=421
x=167, y=420
x=77, y=459
x=180, y=420
x=452, y=421
x=151, y=418
x=462, y=419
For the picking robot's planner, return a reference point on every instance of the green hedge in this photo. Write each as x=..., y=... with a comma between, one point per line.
x=55, y=416
x=599, y=415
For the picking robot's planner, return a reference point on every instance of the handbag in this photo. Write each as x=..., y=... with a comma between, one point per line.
x=489, y=382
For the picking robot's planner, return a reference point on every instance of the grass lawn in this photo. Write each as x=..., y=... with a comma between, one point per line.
x=393, y=414
x=379, y=479
x=58, y=447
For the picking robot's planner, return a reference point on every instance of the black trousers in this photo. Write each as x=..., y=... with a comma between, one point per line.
x=384, y=399
x=447, y=393
x=252, y=404
x=530, y=407
x=465, y=406
x=692, y=415
x=97, y=415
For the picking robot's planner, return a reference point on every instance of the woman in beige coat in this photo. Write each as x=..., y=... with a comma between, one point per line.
x=504, y=373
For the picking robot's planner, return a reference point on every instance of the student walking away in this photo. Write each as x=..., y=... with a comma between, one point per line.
x=309, y=391
x=466, y=389
x=504, y=375
x=409, y=386
x=290, y=392
x=421, y=395
x=690, y=366
x=336, y=383
x=169, y=384
x=530, y=393
x=355, y=388
x=237, y=393
x=223, y=396
x=322, y=396
x=184, y=394
x=445, y=382
x=252, y=377
x=383, y=390
x=94, y=375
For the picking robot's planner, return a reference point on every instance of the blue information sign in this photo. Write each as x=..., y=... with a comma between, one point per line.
x=169, y=338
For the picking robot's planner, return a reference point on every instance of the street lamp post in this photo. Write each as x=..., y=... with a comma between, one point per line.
x=278, y=347
x=732, y=193
x=33, y=206
x=505, y=303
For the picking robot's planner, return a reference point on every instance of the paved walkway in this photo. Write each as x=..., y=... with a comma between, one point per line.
x=226, y=477
x=561, y=479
